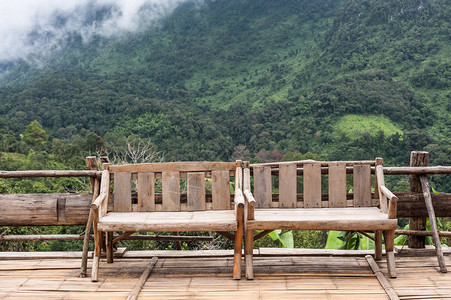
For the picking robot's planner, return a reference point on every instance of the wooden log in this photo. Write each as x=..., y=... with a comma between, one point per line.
x=226, y=234
x=142, y=280
x=79, y=237
x=49, y=173
x=380, y=277
x=433, y=223
x=417, y=159
x=422, y=233
x=412, y=170
x=42, y=209
x=413, y=205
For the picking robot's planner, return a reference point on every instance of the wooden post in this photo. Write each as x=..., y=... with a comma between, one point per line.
x=417, y=159
x=91, y=164
x=434, y=229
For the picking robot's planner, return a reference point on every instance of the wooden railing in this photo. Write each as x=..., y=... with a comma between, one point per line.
x=73, y=208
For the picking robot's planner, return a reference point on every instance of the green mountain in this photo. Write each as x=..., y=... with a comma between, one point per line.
x=339, y=79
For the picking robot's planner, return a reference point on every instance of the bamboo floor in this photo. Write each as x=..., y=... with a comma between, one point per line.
x=207, y=275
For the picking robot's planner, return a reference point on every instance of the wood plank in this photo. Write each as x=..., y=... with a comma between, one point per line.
x=196, y=191
x=146, y=191
x=337, y=185
x=312, y=185
x=263, y=186
x=362, y=185
x=220, y=189
x=122, y=192
x=287, y=185
x=171, y=191
x=184, y=166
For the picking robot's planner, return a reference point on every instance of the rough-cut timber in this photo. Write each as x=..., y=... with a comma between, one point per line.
x=417, y=159
x=433, y=223
x=42, y=209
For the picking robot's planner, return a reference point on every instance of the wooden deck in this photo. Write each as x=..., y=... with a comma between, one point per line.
x=198, y=275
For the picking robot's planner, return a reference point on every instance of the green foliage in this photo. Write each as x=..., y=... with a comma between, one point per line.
x=35, y=136
x=285, y=239
x=348, y=240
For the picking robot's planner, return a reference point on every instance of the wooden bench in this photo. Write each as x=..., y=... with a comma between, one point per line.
x=315, y=210
x=162, y=207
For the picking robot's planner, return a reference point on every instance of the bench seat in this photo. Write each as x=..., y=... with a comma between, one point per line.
x=212, y=220
x=351, y=218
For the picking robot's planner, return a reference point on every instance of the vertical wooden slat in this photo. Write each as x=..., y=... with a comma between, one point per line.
x=362, y=185
x=171, y=191
x=312, y=185
x=122, y=192
x=220, y=189
x=146, y=191
x=287, y=185
x=263, y=186
x=337, y=185
x=196, y=191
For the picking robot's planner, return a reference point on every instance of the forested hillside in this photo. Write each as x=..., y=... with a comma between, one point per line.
x=260, y=80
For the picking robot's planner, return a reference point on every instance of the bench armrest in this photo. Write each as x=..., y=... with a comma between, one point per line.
x=393, y=205
x=250, y=200
x=99, y=206
x=239, y=198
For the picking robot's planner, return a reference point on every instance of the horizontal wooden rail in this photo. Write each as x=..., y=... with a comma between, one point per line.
x=49, y=173
x=75, y=237
x=387, y=170
x=422, y=233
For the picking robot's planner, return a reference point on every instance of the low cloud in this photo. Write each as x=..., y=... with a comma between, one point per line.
x=30, y=29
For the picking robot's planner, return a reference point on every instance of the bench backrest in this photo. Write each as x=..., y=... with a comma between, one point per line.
x=174, y=186
x=335, y=172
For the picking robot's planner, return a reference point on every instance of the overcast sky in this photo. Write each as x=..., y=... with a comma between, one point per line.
x=35, y=27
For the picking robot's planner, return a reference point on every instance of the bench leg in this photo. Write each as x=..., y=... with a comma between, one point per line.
x=378, y=245
x=248, y=252
x=96, y=256
x=109, y=247
x=389, y=237
x=238, y=250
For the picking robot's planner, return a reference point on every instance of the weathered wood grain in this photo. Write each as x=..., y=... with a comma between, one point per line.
x=287, y=185
x=146, y=191
x=196, y=191
x=122, y=192
x=220, y=189
x=362, y=185
x=337, y=185
x=171, y=191
x=312, y=185
x=262, y=186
